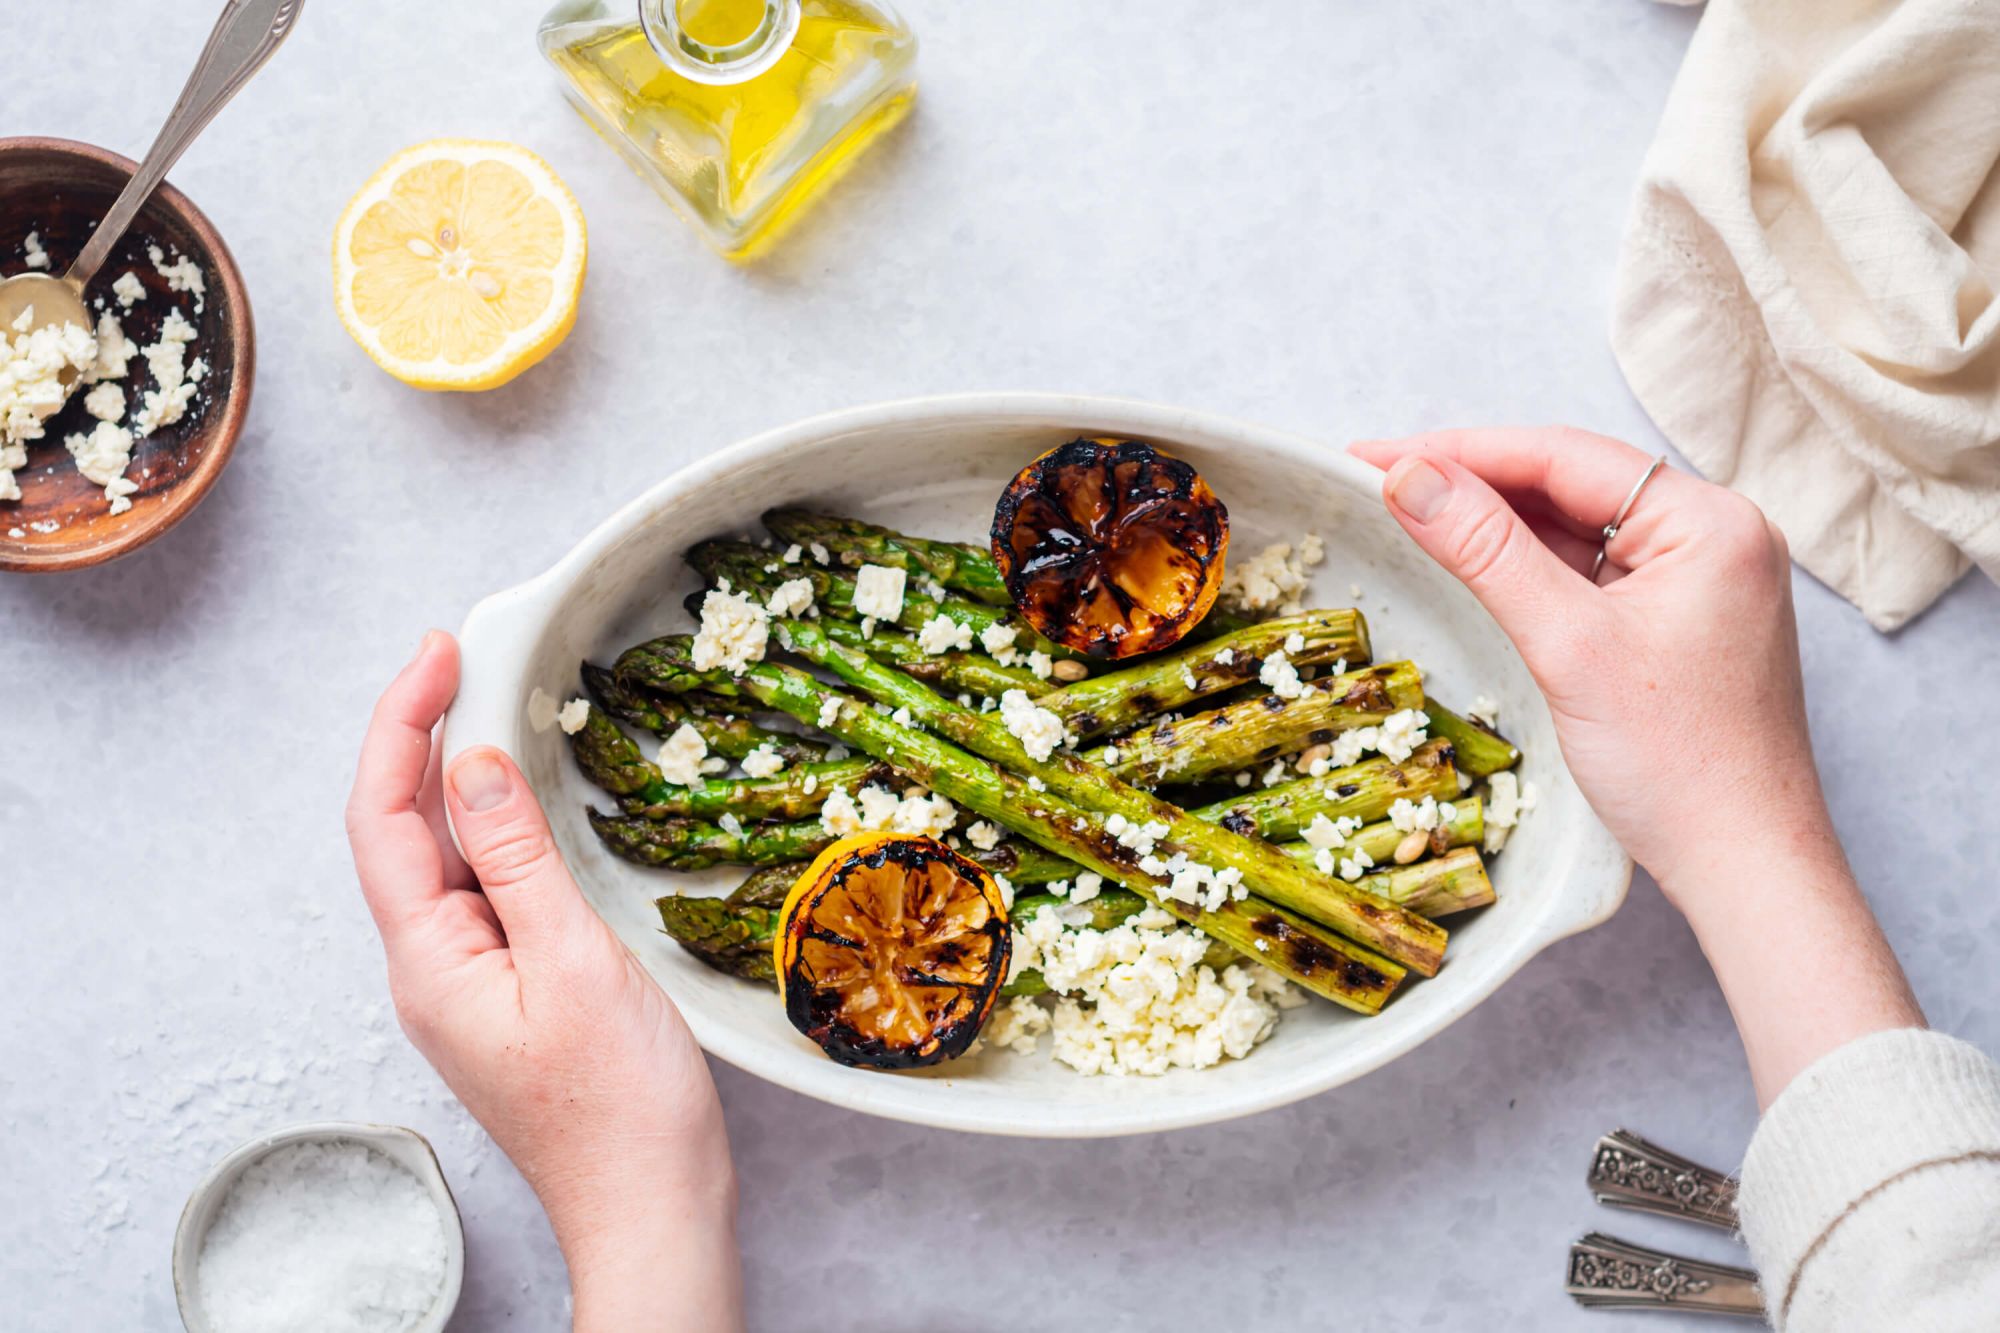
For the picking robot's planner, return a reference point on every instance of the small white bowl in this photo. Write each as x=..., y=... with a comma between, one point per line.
x=405, y=1147
x=936, y=466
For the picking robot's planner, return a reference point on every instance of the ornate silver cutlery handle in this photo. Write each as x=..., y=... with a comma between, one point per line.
x=1606, y=1273
x=1628, y=1172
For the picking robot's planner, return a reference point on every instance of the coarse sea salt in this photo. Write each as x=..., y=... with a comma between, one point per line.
x=322, y=1237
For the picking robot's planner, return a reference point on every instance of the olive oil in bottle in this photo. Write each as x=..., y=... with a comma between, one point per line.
x=740, y=112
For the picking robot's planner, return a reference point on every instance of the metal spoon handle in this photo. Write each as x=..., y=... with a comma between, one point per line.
x=1606, y=1273
x=243, y=39
x=1628, y=1172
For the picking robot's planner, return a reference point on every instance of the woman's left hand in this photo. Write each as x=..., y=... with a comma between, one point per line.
x=541, y=1022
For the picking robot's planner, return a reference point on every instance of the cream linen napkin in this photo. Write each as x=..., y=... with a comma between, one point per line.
x=1806, y=299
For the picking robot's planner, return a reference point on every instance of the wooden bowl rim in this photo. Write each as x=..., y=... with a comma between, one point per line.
x=226, y=425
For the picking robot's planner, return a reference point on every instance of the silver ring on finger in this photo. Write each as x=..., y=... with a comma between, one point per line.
x=1618, y=519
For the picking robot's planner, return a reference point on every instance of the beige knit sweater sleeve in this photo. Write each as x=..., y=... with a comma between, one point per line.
x=1871, y=1193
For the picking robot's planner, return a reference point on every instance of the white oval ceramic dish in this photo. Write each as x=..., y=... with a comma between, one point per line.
x=406, y=1147
x=935, y=466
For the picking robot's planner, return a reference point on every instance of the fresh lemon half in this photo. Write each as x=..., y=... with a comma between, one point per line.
x=458, y=265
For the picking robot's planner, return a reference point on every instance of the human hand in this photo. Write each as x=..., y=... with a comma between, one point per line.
x=1677, y=699
x=541, y=1022
x=1675, y=687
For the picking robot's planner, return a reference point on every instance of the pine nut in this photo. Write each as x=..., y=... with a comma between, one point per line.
x=1069, y=670
x=1412, y=847
x=1313, y=754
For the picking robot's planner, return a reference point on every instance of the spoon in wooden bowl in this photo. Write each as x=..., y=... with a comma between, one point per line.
x=243, y=39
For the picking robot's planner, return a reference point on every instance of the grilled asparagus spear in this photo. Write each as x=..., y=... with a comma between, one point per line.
x=725, y=733
x=1121, y=699
x=1262, y=727
x=953, y=672
x=747, y=566
x=791, y=794
x=1362, y=916
x=1294, y=946
x=1480, y=749
x=965, y=569
x=693, y=844
x=1362, y=791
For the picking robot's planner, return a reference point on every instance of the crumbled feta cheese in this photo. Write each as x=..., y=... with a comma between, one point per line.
x=984, y=836
x=713, y=765
x=106, y=402
x=102, y=456
x=31, y=247
x=1275, y=578
x=31, y=387
x=1280, y=677
x=1036, y=784
x=735, y=631
x=1086, y=886
x=128, y=289
x=1006, y=887
x=1015, y=1025
x=1225, y=657
x=942, y=634
x=792, y=554
x=998, y=638
x=819, y=553
x=1137, y=999
x=167, y=401
x=1507, y=799
x=878, y=592
x=901, y=717
x=681, y=755
x=1041, y=664
x=915, y=811
x=1352, y=867
x=1275, y=774
x=114, y=351
x=182, y=275
x=573, y=715
x=838, y=814
x=730, y=824
x=1039, y=730
x=829, y=711
x=867, y=627
x=1412, y=817
x=1187, y=679
x=763, y=762
x=811, y=784
x=793, y=597
x=1484, y=710
x=1401, y=734
x=1295, y=642
x=1324, y=833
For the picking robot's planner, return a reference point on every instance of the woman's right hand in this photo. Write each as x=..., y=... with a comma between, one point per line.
x=1677, y=698
x=1675, y=686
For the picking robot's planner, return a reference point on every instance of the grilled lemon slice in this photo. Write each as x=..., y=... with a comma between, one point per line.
x=1111, y=547
x=891, y=950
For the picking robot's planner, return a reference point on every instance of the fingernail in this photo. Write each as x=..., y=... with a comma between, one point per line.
x=430, y=641
x=1421, y=491
x=481, y=782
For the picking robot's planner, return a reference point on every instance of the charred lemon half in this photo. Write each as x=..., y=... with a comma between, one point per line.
x=1111, y=547
x=891, y=950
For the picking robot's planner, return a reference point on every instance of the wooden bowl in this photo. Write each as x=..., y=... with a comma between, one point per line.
x=59, y=189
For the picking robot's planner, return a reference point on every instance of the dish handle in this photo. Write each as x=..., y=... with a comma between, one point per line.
x=1604, y=867
x=496, y=644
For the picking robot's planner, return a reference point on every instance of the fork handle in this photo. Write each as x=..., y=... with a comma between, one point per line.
x=1628, y=1172
x=242, y=40
x=1606, y=1273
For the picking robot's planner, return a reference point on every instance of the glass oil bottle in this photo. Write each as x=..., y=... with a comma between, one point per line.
x=740, y=112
